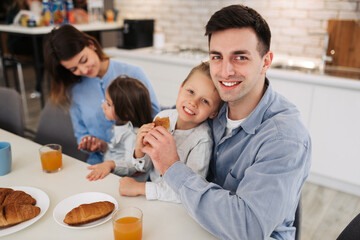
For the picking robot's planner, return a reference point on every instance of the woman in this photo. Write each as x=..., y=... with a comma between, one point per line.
x=80, y=73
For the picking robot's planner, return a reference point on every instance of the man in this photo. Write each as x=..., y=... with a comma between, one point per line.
x=262, y=151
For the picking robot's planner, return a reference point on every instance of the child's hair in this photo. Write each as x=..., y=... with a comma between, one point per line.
x=131, y=100
x=202, y=67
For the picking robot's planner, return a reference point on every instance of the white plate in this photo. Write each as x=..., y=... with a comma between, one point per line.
x=42, y=201
x=71, y=202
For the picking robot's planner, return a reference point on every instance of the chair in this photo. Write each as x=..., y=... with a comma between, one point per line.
x=55, y=127
x=9, y=61
x=351, y=231
x=11, y=115
x=16, y=62
x=297, y=221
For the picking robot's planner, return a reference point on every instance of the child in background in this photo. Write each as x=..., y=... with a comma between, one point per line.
x=197, y=101
x=127, y=101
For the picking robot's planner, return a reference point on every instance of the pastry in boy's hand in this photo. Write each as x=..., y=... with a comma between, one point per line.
x=164, y=122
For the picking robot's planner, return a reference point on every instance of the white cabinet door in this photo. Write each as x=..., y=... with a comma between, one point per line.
x=335, y=130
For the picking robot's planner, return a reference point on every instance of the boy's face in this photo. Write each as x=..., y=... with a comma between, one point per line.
x=197, y=100
x=108, y=108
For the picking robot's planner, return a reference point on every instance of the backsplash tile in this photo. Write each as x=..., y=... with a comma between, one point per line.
x=292, y=22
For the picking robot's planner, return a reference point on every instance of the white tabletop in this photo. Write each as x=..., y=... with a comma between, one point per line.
x=44, y=30
x=162, y=220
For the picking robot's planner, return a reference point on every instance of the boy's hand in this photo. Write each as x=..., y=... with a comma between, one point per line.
x=100, y=170
x=92, y=144
x=130, y=187
x=140, y=139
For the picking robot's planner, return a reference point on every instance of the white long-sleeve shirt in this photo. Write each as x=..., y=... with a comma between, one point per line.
x=194, y=147
x=120, y=150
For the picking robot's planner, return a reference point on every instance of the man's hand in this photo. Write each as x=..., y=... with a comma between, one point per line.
x=163, y=149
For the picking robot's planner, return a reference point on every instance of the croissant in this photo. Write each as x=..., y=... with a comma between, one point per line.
x=18, y=197
x=165, y=122
x=12, y=214
x=86, y=213
x=3, y=193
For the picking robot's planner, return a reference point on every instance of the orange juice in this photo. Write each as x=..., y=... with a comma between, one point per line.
x=51, y=161
x=128, y=228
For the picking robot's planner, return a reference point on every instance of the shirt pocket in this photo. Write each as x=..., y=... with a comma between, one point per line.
x=231, y=183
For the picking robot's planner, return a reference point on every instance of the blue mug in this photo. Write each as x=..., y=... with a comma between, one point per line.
x=5, y=158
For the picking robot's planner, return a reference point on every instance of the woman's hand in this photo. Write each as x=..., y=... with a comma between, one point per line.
x=92, y=144
x=140, y=139
x=130, y=187
x=101, y=170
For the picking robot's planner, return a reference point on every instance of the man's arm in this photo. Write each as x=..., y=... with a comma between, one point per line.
x=265, y=197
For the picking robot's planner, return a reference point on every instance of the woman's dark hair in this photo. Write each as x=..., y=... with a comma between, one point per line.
x=239, y=16
x=62, y=44
x=131, y=100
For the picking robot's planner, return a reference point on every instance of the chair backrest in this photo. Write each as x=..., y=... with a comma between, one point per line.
x=297, y=221
x=352, y=230
x=55, y=127
x=11, y=111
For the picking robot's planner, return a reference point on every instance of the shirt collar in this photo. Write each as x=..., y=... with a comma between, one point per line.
x=255, y=118
x=120, y=129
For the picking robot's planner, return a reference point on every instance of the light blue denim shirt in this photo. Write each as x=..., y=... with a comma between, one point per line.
x=256, y=174
x=87, y=97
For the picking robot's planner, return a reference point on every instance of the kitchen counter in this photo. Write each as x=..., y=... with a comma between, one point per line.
x=314, y=78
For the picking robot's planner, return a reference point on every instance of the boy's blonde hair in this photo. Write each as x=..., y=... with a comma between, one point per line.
x=202, y=67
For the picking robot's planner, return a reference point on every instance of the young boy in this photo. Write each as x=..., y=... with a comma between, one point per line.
x=197, y=101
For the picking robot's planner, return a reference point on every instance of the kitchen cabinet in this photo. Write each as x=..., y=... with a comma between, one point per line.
x=329, y=107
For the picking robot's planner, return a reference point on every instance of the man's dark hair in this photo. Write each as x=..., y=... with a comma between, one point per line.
x=240, y=16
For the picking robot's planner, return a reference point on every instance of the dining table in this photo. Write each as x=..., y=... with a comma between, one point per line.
x=161, y=220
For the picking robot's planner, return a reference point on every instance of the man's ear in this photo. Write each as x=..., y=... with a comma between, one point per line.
x=267, y=61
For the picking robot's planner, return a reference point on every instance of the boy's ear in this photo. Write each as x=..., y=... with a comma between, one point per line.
x=214, y=114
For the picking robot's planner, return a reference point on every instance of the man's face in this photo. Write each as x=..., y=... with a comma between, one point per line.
x=236, y=67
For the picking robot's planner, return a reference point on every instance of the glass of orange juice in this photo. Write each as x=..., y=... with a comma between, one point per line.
x=127, y=223
x=51, y=158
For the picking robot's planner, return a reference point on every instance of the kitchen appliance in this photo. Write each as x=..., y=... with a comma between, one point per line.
x=137, y=33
